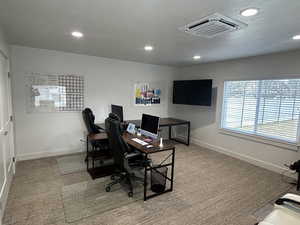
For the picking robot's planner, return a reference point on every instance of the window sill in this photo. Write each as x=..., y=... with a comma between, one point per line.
x=261, y=139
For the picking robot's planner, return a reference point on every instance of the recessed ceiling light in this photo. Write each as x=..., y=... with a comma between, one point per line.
x=196, y=57
x=249, y=12
x=148, y=48
x=77, y=34
x=296, y=37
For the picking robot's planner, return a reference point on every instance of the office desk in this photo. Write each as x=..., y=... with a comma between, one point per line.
x=99, y=154
x=168, y=146
x=95, y=137
x=101, y=137
x=166, y=122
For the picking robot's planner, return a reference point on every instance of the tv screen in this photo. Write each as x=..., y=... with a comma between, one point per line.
x=192, y=92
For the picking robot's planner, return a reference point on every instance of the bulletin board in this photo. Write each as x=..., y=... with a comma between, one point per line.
x=54, y=93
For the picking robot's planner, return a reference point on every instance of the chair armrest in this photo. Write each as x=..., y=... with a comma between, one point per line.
x=99, y=128
x=131, y=155
x=136, y=162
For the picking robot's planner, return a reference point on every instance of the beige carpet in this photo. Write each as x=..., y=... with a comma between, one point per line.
x=210, y=189
x=89, y=198
x=71, y=163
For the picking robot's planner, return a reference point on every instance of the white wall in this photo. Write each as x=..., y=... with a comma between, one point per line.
x=107, y=81
x=111, y=81
x=205, y=121
x=2, y=162
x=3, y=45
x=6, y=127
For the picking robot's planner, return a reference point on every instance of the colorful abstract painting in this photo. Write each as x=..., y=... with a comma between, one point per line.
x=147, y=94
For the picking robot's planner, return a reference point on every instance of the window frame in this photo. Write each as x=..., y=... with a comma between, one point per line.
x=265, y=139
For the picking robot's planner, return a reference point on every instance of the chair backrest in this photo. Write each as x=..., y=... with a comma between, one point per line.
x=116, y=142
x=89, y=121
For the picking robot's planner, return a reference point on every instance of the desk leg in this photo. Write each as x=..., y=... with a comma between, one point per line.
x=171, y=179
x=189, y=133
x=187, y=141
x=145, y=180
x=87, y=153
x=172, y=170
x=298, y=182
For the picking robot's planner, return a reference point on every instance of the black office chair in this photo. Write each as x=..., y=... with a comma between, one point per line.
x=89, y=121
x=100, y=148
x=128, y=164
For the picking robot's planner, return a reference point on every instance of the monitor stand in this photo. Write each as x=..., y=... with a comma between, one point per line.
x=148, y=134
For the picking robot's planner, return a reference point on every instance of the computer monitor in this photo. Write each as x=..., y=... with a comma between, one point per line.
x=118, y=110
x=150, y=125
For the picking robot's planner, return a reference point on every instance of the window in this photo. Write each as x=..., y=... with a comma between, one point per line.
x=268, y=108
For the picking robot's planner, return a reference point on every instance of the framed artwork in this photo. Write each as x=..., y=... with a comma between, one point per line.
x=55, y=93
x=148, y=93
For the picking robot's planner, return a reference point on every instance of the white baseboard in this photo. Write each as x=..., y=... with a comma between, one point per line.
x=249, y=159
x=38, y=155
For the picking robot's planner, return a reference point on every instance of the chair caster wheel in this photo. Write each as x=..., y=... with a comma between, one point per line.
x=108, y=189
x=112, y=177
x=130, y=194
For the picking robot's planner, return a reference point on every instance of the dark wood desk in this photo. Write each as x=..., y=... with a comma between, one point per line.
x=165, y=122
x=90, y=149
x=95, y=153
x=95, y=137
x=167, y=146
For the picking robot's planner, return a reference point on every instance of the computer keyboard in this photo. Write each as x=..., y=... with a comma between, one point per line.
x=139, y=141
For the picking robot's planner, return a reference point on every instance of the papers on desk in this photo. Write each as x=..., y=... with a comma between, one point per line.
x=143, y=143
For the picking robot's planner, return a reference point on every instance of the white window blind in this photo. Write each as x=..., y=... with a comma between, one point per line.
x=268, y=108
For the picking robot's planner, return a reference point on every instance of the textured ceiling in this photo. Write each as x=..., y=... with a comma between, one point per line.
x=121, y=28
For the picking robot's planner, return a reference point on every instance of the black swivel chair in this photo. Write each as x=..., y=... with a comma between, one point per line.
x=128, y=164
x=89, y=121
x=100, y=148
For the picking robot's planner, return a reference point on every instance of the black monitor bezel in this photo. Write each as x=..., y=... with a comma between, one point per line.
x=119, y=107
x=155, y=134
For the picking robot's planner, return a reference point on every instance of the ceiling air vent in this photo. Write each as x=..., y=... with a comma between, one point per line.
x=212, y=26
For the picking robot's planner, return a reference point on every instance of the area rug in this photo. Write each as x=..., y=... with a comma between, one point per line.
x=89, y=198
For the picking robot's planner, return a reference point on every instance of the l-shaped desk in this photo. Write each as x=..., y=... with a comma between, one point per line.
x=166, y=122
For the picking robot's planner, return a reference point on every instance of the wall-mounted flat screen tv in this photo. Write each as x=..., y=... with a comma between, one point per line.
x=192, y=92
